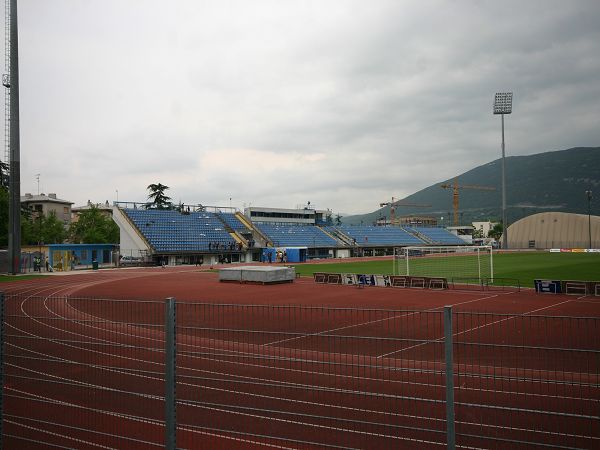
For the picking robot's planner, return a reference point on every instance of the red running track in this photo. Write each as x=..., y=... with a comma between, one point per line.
x=88, y=373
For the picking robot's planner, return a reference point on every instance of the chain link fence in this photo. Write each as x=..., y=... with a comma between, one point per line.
x=84, y=373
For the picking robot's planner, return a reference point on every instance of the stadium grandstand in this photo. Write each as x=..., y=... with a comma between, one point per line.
x=373, y=235
x=436, y=236
x=299, y=235
x=198, y=234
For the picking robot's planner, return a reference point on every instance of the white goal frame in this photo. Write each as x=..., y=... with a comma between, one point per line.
x=410, y=261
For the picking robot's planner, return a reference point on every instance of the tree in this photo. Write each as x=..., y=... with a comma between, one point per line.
x=53, y=230
x=4, y=168
x=94, y=227
x=158, y=197
x=37, y=229
x=477, y=234
x=496, y=231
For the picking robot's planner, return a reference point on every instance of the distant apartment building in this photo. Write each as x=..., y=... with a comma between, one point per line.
x=484, y=227
x=43, y=204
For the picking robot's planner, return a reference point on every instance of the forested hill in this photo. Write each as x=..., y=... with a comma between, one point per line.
x=550, y=181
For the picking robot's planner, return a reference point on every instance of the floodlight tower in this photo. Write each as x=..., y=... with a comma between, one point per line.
x=589, y=199
x=503, y=105
x=11, y=83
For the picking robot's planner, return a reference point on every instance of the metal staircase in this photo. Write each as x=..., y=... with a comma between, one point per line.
x=234, y=234
x=421, y=236
x=334, y=234
x=341, y=236
x=255, y=231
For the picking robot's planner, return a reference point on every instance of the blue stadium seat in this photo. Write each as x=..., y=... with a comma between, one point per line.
x=366, y=235
x=171, y=231
x=297, y=236
x=439, y=236
x=233, y=222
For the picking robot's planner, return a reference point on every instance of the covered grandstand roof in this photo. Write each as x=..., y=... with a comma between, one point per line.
x=554, y=230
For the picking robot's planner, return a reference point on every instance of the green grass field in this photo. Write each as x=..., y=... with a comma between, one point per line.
x=7, y=278
x=524, y=267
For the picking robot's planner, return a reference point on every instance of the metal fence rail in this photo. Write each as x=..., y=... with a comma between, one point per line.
x=316, y=377
x=527, y=381
x=83, y=370
x=125, y=374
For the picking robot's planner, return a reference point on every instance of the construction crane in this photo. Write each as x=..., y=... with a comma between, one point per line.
x=393, y=204
x=456, y=187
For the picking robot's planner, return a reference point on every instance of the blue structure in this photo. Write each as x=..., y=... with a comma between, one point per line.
x=296, y=254
x=65, y=257
x=293, y=254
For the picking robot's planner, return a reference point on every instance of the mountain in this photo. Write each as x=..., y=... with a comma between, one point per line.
x=549, y=181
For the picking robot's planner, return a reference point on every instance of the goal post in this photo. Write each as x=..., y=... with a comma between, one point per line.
x=451, y=262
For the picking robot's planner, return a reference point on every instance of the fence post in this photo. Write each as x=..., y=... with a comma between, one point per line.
x=170, y=380
x=450, y=432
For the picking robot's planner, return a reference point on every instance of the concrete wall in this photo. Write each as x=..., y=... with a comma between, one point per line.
x=131, y=243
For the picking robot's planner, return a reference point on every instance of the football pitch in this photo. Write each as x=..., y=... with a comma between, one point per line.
x=524, y=267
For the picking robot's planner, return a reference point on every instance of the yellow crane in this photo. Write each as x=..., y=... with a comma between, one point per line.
x=455, y=188
x=393, y=204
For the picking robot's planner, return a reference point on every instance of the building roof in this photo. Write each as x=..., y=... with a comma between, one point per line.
x=43, y=198
x=555, y=230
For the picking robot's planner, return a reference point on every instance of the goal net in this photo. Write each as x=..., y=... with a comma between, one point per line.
x=475, y=262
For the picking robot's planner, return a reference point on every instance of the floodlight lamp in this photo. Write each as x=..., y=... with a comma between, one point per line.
x=503, y=103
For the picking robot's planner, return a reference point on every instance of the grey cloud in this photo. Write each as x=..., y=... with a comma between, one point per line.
x=394, y=95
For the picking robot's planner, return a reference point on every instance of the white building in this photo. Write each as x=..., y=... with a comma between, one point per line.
x=275, y=216
x=484, y=227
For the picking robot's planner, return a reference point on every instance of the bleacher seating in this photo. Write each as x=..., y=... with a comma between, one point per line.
x=365, y=235
x=171, y=231
x=297, y=236
x=439, y=236
x=233, y=222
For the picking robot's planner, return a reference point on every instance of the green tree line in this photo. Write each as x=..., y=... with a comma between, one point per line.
x=93, y=227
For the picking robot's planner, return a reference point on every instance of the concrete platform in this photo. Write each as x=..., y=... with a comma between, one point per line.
x=258, y=274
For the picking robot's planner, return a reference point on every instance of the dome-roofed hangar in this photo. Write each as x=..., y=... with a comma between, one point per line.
x=555, y=230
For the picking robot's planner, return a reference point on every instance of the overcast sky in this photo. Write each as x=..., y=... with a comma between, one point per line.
x=276, y=103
